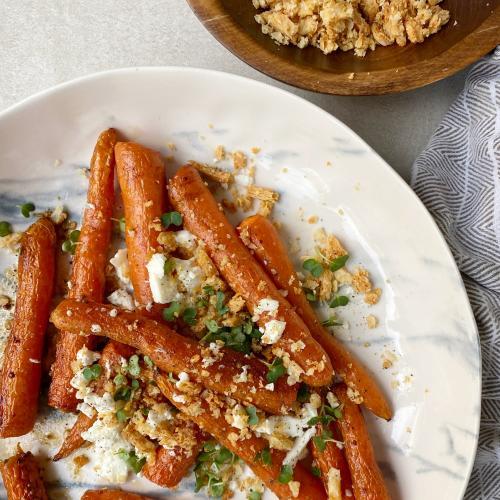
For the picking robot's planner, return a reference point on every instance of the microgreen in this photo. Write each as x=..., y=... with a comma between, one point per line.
x=238, y=338
x=168, y=267
x=264, y=456
x=148, y=361
x=69, y=245
x=171, y=218
x=253, y=419
x=315, y=471
x=314, y=267
x=172, y=311
x=331, y=321
x=121, y=224
x=121, y=416
x=338, y=263
x=339, y=300
x=208, y=290
x=120, y=380
x=310, y=295
x=132, y=460
x=303, y=393
x=27, y=208
x=133, y=366
x=276, y=370
x=91, y=372
x=123, y=393
x=219, y=305
x=286, y=474
x=134, y=384
x=74, y=236
x=189, y=315
x=5, y=228
x=254, y=495
x=321, y=440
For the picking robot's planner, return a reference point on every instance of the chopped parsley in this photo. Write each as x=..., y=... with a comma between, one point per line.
x=339, y=262
x=91, y=372
x=276, y=370
x=132, y=460
x=171, y=218
x=286, y=474
x=5, y=228
x=339, y=300
x=264, y=456
x=314, y=267
x=27, y=208
x=253, y=419
x=172, y=311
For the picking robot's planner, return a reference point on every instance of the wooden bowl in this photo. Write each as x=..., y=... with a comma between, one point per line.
x=473, y=30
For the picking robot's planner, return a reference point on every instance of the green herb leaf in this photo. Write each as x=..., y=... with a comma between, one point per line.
x=276, y=370
x=120, y=380
x=91, y=372
x=314, y=267
x=340, y=300
x=123, y=393
x=253, y=419
x=132, y=460
x=286, y=474
x=320, y=443
x=338, y=263
x=134, y=384
x=212, y=326
x=189, y=315
x=315, y=471
x=331, y=321
x=171, y=218
x=303, y=394
x=335, y=413
x=121, y=416
x=310, y=295
x=168, y=266
x=254, y=495
x=219, y=306
x=68, y=246
x=74, y=236
x=133, y=366
x=5, y=228
x=148, y=361
x=264, y=456
x=172, y=311
x=27, y=208
x=208, y=290
x=145, y=411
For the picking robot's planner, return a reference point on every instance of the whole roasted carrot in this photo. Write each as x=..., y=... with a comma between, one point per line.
x=111, y=495
x=262, y=237
x=248, y=449
x=89, y=264
x=22, y=369
x=172, y=352
x=202, y=216
x=332, y=461
x=141, y=175
x=367, y=479
x=21, y=477
x=112, y=355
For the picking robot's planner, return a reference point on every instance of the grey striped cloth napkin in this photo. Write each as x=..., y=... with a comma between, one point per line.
x=458, y=178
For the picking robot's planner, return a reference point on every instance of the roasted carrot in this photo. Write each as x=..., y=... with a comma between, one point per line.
x=112, y=354
x=141, y=175
x=172, y=352
x=203, y=217
x=22, y=369
x=367, y=480
x=22, y=478
x=111, y=495
x=89, y=264
x=214, y=423
x=262, y=237
x=332, y=461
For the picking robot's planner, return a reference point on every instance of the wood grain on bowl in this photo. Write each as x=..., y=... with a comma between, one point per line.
x=473, y=30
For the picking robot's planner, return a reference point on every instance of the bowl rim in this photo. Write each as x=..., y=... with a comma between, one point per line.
x=223, y=27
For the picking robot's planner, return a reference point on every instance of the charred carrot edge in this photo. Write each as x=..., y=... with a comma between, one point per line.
x=332, y=457
x=311, y=487
x=21, y=477
x=111, y=356
x=141, y=175
x=367, y=479
x=22, y=369
x=262, y=237
x=202, y=216
x=112, y=495
x=89, y=264
x=172, y=352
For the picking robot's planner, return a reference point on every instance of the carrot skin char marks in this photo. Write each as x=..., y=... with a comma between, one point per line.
x=202, y=217
x=172, y=352
x=141, y=175
x=21, y=477
x=333, y=457
x=111, y=495
x=89, y=264
x=262, y=237
x=22, y=369
x=111, y=356
x=367, y=480
x=247, y=449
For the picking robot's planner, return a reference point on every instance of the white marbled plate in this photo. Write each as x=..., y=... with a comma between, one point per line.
x=321, y=168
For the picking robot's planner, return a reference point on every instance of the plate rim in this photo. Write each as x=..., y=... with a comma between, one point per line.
x=82, y=80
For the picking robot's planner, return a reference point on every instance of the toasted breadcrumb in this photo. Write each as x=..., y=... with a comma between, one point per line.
x=11, y=242
x=239, y=160
x=371, y=321
x=373, y=296
x=214, y=173
x=219, y=153
x=263, y=194
x=361, y=281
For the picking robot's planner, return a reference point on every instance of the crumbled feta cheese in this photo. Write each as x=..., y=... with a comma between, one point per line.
x=273, y=330
x=185, y=239
x=269, y=387
x=332, y=399
x=243, y=376
x=243, y=179
x=121, y=298
x=120, y=263
x=86, y=357
x=113, y=313
x=238, y=417
x=183, y=379
x=35, y=361
x=189, y=274
x=179, y=398
x=163, y=288
x=102, y=404
x=86, y=409
x=266, y=305
x=334, y=489
x=300, y=444
x=159, y=414
x=58, y=215
x=108, y=441
x=95, y=328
